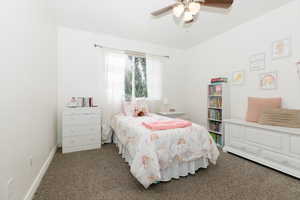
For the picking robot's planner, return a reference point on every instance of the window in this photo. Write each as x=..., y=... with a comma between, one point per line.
x=136, y=78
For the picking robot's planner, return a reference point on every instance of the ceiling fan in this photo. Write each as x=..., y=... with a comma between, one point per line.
x=188, y=9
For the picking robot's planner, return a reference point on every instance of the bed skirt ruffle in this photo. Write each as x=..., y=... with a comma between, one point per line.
x=175, y=171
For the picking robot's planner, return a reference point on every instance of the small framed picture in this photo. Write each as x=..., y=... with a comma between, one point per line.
x=281, y=48
x=257, y=62
x=268, y=81
x=238, y=78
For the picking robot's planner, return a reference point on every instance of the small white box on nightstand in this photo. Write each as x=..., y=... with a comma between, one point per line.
x=172, y=114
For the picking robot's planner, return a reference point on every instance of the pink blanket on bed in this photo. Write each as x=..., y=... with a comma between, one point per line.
x=165, y=125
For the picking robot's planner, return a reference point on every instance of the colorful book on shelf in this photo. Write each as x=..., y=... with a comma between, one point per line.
x=215, y=90
x=215, y=114
x=214, y=136
x=219, y=80
x=219, y=140
x=215, y=126
x=215, y=102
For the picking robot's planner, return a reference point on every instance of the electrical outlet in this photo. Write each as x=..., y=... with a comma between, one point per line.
x=11, y=193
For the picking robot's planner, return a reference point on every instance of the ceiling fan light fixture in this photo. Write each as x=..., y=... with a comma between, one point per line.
x=188, y=16
x=178, y=10
x=187, y=10
x=194, y=7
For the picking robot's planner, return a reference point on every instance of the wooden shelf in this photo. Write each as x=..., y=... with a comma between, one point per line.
x=215, y=120
x=217, y=108
x=216, y=132
x=215, y=95
x=218, y=95
x=218, y=83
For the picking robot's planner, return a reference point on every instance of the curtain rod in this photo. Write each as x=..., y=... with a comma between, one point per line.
x=133, y=52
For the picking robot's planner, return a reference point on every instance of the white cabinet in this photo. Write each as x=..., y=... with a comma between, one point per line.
x=81, y=129
x=275, y=147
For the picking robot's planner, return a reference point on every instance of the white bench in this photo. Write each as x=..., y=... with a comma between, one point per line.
x=275, y=147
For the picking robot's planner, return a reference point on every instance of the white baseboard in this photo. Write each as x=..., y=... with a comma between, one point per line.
x=81, y=148
x=40, y=175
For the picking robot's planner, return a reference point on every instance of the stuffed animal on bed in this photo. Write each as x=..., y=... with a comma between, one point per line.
x=139, y=112
x=137, y=108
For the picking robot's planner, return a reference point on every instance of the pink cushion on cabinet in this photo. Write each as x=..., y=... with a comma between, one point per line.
x=256, y=106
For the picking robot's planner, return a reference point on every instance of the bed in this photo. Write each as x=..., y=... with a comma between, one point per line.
x=156, y=156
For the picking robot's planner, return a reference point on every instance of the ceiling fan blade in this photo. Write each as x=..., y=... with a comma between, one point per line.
x=217, y=3
x=163, y=10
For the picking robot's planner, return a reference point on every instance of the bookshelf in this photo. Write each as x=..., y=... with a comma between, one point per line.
x=218, y=109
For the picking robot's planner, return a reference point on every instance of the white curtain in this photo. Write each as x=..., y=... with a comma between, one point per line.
x=154, y=76
x=112, y=89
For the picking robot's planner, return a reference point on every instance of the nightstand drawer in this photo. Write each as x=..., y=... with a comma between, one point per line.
x=75, y=111
x=81, y=140
x=81, y=130
x=82, y=119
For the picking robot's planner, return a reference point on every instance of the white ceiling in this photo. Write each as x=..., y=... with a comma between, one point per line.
x=131, y=19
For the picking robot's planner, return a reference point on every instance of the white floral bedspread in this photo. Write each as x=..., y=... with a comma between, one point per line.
x=152, y=151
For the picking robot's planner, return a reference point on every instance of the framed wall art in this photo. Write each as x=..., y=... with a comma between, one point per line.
x=238, y=78
x=281, y=48
x=257, y=62
x=268, y=81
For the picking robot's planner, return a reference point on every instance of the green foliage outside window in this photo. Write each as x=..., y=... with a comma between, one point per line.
x=140, y=77
x=138, y=87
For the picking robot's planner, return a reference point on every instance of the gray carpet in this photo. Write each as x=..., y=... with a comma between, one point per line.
x=103, y=174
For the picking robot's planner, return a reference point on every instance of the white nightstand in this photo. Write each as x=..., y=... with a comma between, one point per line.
x=81, y=129
x=172, y=114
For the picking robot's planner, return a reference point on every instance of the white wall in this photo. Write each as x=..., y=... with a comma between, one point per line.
x=230, y=52
x=28, y=77
x=79, y=67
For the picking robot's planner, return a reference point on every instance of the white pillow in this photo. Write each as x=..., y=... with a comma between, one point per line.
x=128, y=108
x=142, y=105
x=131, y=108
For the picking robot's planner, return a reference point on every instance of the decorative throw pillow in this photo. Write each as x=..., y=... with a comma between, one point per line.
x=135, y=108
x=256, y=106
x=128, y=108
x=143, y=106
x=281, y=117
